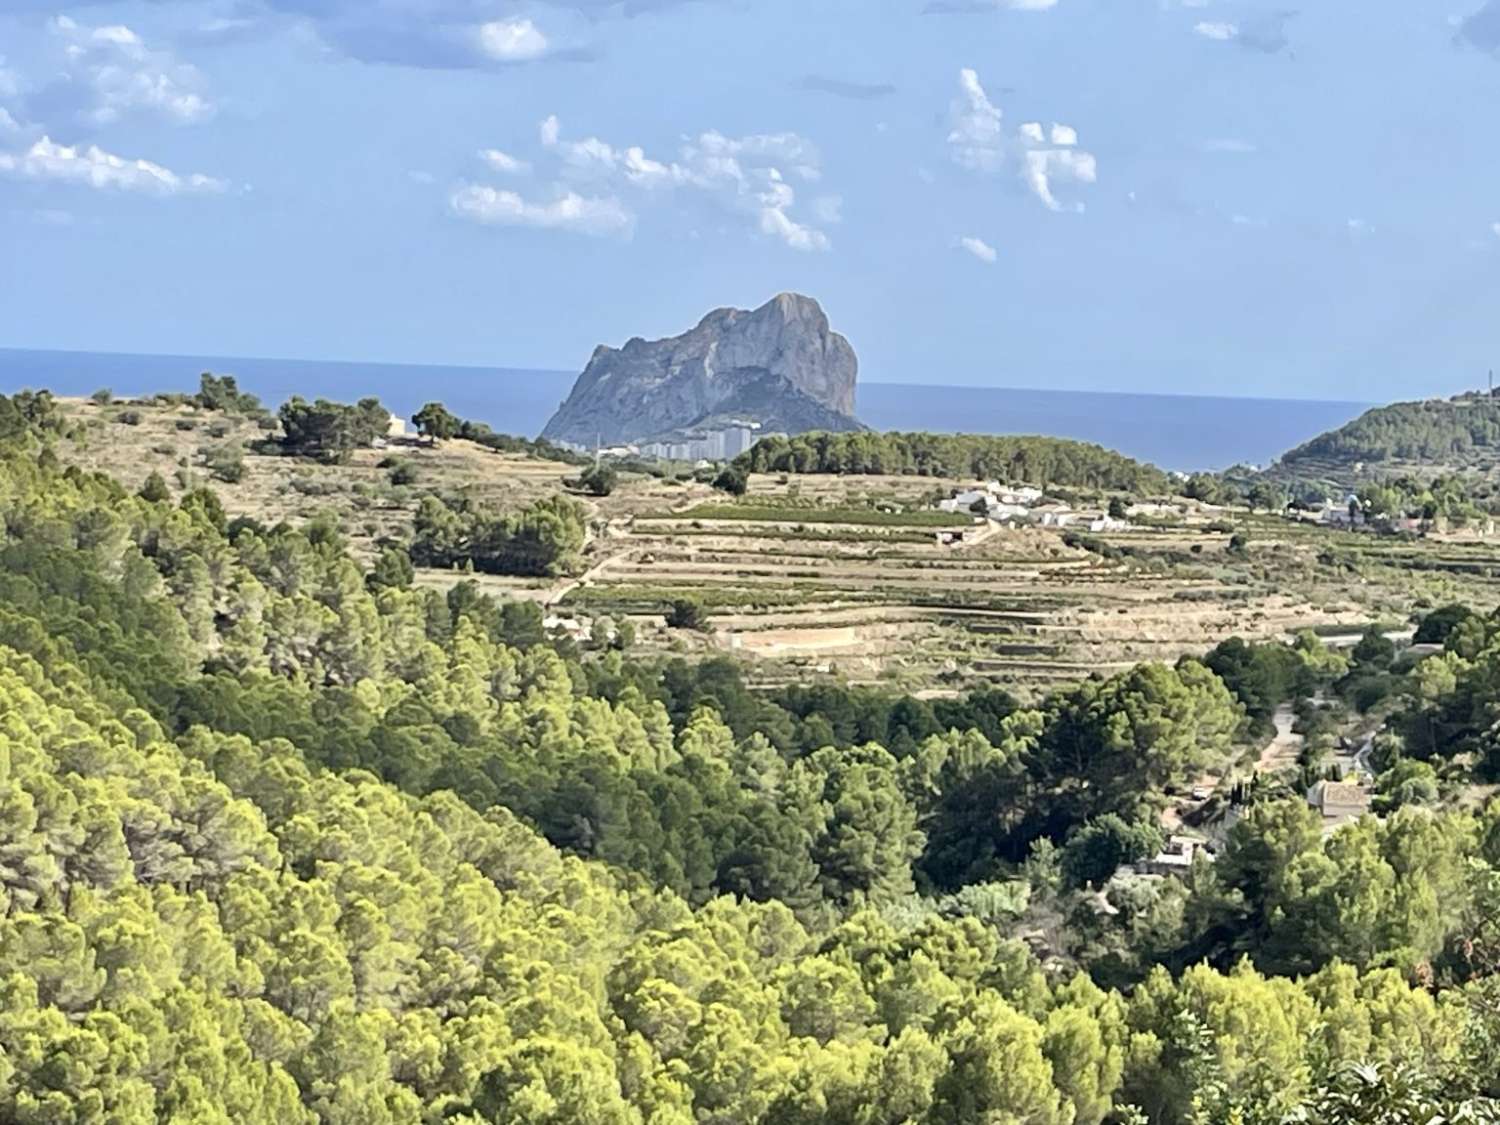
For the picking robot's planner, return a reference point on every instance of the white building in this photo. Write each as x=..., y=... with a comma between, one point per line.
x=1174, y=859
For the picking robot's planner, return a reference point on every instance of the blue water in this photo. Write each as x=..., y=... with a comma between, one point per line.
x=1175, y=431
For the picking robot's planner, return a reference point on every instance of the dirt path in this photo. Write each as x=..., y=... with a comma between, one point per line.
x=1284, y=748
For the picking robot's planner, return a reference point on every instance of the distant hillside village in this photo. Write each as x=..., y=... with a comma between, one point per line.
x=719, y=443
x=1017, y=504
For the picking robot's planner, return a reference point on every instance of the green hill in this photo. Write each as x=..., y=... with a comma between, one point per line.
x=1037, y=460
x=1461, y=433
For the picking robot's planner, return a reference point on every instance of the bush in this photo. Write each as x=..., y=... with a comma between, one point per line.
x=129, y=418
x=403, y=472
x=185, y=424
x=733, y=479
x=687, y=613
x=598, y=480
x=155, y=489
x=226, y=464
x=103, y=396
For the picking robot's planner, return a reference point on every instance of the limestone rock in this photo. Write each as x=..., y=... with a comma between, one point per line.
x=780, y=365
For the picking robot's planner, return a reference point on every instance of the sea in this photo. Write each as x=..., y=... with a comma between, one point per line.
x=1177, y=432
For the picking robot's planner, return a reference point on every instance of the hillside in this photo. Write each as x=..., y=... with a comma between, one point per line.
x=830, y=565
x=289, y=840
x=1439, y=435
x=1042, y=461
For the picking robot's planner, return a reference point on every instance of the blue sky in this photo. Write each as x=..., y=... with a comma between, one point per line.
x=1147, y=195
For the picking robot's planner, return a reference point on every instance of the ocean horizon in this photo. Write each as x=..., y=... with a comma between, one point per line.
x=1179, y=432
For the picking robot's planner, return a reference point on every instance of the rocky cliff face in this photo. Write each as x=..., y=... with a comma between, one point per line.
x=781, y=366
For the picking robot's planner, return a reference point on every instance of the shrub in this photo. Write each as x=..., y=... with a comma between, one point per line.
x=155, y=489
x=129, y=417
x=185, y=424
x=226, y=464
x=103, y=396
x=687, y=613
x=733, y=479
x=598, y=480
x=404, y=472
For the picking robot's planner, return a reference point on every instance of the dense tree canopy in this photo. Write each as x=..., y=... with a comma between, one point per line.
x=331, y=430
x=1037, y=460
x=289, y=839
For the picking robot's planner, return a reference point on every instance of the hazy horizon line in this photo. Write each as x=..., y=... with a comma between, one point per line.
x=567, y=373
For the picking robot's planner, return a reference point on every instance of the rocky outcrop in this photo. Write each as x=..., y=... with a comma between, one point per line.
x=780, y=365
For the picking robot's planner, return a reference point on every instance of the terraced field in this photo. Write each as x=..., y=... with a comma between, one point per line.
x=798, y=582
x=813, y=575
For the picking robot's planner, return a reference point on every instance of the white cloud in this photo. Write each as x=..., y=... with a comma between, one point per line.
x=8, y=124
x=748, y=175
x=1495, y=229
x=95, y=168
x=570, y=211
x=979, y=248
x=517, y=40
x=120, y=75
x=777, y=223
x=1217, y=29
x=504, y=162
x=1046, y=165
x=976, y=136
x=1043, y=155
x=1265, y=32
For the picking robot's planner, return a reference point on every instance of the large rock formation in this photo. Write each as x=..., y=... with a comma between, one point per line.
x=780, y=366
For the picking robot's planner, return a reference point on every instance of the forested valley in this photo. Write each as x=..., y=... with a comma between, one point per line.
x=286, y=838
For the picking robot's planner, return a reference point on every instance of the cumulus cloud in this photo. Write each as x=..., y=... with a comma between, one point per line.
x=976, y=137
x=1265, y=32
x=1043, y=156
x=568, y=211
x=439, y=34
x=979, y=248
x=108, y=72
x=504, y=162
x=93, y=167
x=511, y=40
x=752, y=176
